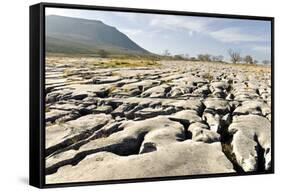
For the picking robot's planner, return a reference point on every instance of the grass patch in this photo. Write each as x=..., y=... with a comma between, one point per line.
x=126, y=90
x=47, y=109
x=67, y=72
x=112, y=89
x=119, y=63
x=166, y=81
x=60, y=122
x=115, y=74
x=208, y=76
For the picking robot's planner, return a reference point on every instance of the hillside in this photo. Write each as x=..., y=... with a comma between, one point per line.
x=75, y=35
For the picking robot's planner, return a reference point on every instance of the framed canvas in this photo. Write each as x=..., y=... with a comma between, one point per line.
x=127, y=95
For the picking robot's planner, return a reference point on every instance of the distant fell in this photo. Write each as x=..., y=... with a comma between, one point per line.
x=83, y=36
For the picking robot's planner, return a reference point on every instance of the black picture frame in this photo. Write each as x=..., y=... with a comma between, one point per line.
x=37, y=92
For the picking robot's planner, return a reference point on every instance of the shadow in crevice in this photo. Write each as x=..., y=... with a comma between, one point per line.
x=260, y=153
x=128, y=146
x=185, y=124
x=226, y=139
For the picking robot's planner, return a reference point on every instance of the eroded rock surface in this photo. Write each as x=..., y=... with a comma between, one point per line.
x=251, y=138
x=171, y=119
x=174, y=160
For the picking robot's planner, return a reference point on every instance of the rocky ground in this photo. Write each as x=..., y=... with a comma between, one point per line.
x=169, y=119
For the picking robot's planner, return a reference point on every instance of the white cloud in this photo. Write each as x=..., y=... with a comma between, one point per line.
x=190, y=33
x=235, y=35
x=261, y=48
x=128, y=16
x=63, y=12
x=203, y=25
x=177, y=22
x=131, y=32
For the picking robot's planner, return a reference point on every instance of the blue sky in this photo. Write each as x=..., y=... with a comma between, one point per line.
x=185, y=34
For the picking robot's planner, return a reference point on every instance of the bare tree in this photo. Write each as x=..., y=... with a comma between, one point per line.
x=204, y=57
x=186, y=56
x=179, y=57
x=218, y=58
x=200, y=57
x=255, y=61
x=248, y=59
x=234, y=56
x=266, y=62
x=167, y=53
x=193, y=59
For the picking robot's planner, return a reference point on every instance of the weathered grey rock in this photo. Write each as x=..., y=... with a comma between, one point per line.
x=65, y=134
x=139, y=86
x=148, y=147
x=157, y=91
x=268, y=117
x=219, y=105
x=103, y=109
x=106, y=80
x=65, y=106
x=230, y=96
x=161, y=137
x=125, y=142
x=200, y=132
x=120, y=111
x=99, y=90
x=249, y=131
x=175, y=92
x=77, y=92
x=179, y=158
x=125, y=81
x=171, y=77
x=71, y=116
x=181, y=104
x=218, y=93
x=213, y=120
x=200, y=125
x=78, y=96
x=243, y=92
x=253, y=107
x=185, y=104
x=186, y=116
x=204, y=90
x=149, y=112
x=219, y=85
x=57, y=95
x=53, y=115
x=168, y=119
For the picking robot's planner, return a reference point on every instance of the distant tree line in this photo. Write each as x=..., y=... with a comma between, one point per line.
x=200, y=57
x=209, y=58
x=235, y=57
